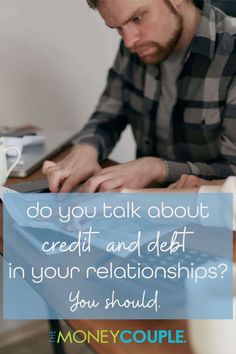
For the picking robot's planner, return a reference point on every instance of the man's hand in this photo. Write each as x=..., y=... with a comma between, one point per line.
x=80, y=164
x=135, y=174
x=190, y=181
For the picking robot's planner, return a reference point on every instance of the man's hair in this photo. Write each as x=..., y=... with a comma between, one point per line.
x=93, y=3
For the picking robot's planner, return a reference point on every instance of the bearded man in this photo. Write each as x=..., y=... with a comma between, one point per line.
x=174, y=82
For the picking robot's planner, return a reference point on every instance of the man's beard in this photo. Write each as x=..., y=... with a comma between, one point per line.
x=159, y=52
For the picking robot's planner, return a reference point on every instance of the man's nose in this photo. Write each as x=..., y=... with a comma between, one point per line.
x=130, y=37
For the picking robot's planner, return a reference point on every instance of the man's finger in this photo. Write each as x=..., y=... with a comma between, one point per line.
x=68, y=185
x=54, y=183
x=46, y=165
x=93, y=183
x=110, y=184
x=171, y=186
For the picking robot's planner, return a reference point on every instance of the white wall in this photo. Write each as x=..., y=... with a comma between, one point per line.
x=54, y=56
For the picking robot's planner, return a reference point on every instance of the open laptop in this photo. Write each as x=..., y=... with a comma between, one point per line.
x=33, y=156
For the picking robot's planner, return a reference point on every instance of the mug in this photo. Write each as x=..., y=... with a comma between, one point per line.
x=4, y=170
x=214, y=336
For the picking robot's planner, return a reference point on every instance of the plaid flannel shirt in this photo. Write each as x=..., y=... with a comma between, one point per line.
x=203, y=118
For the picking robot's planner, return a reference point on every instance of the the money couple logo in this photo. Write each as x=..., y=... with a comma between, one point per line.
x=127, y=336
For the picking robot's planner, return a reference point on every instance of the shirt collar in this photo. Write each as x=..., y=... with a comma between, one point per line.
x=204, y=40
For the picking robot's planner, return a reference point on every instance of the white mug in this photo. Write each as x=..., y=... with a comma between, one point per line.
x=214, y=336
x=4, y=170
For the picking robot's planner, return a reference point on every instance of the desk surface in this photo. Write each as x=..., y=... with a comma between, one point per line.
x=94, y=325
